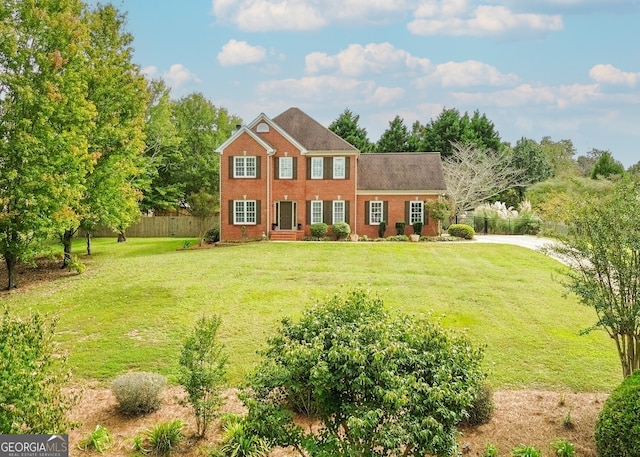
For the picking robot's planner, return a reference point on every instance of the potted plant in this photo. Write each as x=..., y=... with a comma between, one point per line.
x=417, y=231
x=400, y=227
x=381, y=229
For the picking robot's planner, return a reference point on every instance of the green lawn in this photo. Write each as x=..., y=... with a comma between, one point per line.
x=132, y=307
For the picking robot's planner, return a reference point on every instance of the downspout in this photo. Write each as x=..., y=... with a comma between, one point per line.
x=268, y=205
x=355, y=210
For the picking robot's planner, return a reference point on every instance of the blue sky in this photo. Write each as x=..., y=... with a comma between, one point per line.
x=567, y=69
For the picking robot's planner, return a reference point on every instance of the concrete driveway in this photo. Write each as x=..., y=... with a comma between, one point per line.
x=526, y=241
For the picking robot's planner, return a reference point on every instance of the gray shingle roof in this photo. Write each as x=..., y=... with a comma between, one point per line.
x=310, y=133
x=397, y=171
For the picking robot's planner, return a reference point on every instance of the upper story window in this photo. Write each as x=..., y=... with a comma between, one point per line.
x=285, y=168
x=339, y=168
x=416, y=212
x=338, y=211
x=375, y=212
x=244, y=167
x=317, y=168
x=316, y=211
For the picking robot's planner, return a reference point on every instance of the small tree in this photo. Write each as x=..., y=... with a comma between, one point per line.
x=439, y=210
x=603, y=249
x=202, y=371
x=379, y=384
x=31, y=400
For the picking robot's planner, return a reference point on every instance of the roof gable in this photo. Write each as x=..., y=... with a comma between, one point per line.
x=311, y=134
x=242, y=130
x=400, y=172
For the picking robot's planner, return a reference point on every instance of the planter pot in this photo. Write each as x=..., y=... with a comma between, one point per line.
x=354, y=237
x=414, y=237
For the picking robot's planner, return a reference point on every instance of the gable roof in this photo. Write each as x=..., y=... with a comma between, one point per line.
x=401, y=171
x=242, y=130
x=310, y=133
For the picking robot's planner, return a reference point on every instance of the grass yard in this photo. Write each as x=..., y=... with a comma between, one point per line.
x=133, y=306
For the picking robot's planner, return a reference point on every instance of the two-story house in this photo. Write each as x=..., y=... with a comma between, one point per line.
x=280, y=175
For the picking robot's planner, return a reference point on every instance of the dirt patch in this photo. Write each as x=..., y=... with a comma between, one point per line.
x=44, y=270
x=520, y=417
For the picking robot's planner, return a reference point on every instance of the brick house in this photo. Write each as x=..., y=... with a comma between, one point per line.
x=280, y=175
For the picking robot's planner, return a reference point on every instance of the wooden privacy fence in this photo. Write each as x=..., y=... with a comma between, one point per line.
x=165, y=226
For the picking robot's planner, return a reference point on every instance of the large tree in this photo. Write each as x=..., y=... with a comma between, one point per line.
x=395, y=138
x=560, y=154
x=528, y=155
x=118, y=91
x=603, y=250
x=346, y=127
x=606, y=166
x=45, y=119
x=474, y=175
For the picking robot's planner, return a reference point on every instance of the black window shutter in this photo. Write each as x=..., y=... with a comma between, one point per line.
x=346, y=167
x=327, y=212
x=407, y=213
x=308, y=205
x=276, y=168
x=258, y=212
x=258, y=167
x=367, y=215
x=346, y=212
x=385, y=211
x=231, y=209
x=308, y=167
x=231, y=161
x=327, y=163
x=295, y=168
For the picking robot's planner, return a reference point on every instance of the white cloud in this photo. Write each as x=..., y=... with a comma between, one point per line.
x=178, y=75
x=608, y=74
x=150, y=71
x=357, y=60
x=526, y=94
x=240, y=53
x=468, y=73
x=442, y=18
x=386, y=95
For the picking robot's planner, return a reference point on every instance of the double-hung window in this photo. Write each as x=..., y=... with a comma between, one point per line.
x=339, y=168
x=244, y=167
x=416, y=212
x=285, y=168
x=375, y=212
x=244, y=212
x=338, y=211
x=317, y=168
x=316, y=211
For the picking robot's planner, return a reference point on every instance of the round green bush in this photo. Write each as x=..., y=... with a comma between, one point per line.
x=341, y=230
x=138, y=393
x=462, y=231
x=481, y=409
x=319, y=230
x=618, y=426
x=212, y=235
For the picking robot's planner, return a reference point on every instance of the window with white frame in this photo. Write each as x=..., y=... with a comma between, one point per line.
x=316, y=211
x=244, y=212
x=416, y=211
x=375, y=213
x=317, y=168
x=285, y=165
x=244, y=167
x=338, y=211
x=339, y=168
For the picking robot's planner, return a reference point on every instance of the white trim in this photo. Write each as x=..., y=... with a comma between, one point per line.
x=264, y=118
x=270, y=149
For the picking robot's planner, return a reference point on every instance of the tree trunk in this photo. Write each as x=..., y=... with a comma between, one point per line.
x=11, y=262
x=66, y=238
x=121, y=237
x=88, y=237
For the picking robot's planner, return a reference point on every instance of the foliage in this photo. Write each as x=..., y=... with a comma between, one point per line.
x=606, y=166
x=319, y=230
x=498, y=218
x=346, y=127
x=563, y=448
x=490, y=450
x=239, y=441
x=474, y=176
x=462, y=231
x=417, y=227
x=358, y=369
x=212, y=235
x=439, y=210
x=45, y=121
x=481, y=409
x=138, y=393
x=617, y=433
x=529, y=156
x=99, y=440
x=400, y=227
x=382, y=228
x=395, y=138
x=202, y=206
x=162, y=438
x=603, y=249
x=33, y=374
x=526, y=451
x=203, y=370
x=341, y=230
x=559, y=154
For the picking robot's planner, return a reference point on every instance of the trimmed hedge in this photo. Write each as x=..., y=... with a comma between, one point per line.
x=618, y=426
x=462, y=231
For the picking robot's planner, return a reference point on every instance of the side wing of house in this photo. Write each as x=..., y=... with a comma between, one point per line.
x=396, y=187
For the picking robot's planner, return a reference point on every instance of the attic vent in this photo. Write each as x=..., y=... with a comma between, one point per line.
x=263, y=127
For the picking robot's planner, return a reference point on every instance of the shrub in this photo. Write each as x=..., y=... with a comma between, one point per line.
x=212, y=235
x=239, y=441
x=163, y=437
x=526, y=451
x=99, y=440
x=138, y=393
x=32, y=377
x=490, y=451
x=382, y=227
x=341, y=230
x=319, y=230
x=202, y=371
x=417, y=228
x=400, y=227
x=481, y=409
x=563, y=448
x=617, y=433
x=462, y=231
